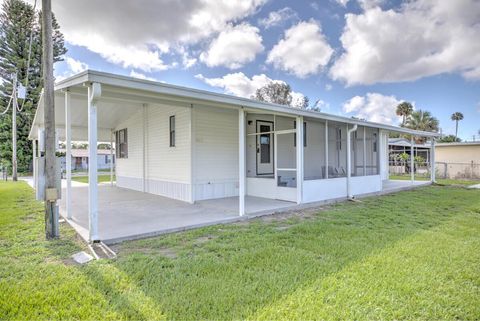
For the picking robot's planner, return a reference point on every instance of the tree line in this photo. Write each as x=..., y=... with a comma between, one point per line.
x=20, y=22
x=423, y=120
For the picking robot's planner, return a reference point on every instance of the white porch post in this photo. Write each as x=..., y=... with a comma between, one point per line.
x=432, y=161
x=192, y=153
x=144, y=142
x=412, y=161
x=364, y=151
x=111, y=158
x=299, y=131
x=94, y=92
x=326, y=149
x=68, y=155
x=349, y=158
x=241, y=161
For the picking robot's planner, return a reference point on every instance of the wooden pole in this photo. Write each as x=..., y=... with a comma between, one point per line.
x=14, y=128
x=51, y=194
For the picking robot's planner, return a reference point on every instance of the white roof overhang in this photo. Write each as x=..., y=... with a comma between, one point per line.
x=123, y=96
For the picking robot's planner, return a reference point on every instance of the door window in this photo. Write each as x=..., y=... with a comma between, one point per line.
x=264, y=144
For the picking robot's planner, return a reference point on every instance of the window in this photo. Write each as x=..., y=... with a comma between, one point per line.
x=304, y=134
x=172, y=131
x=339, y=138
x=121, y=143
x=265, y=144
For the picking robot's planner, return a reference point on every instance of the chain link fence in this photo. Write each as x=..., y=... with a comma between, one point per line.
x=457, y=170
x=444, y=170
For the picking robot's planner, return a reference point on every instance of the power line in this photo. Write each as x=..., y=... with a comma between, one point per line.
x=8, y=106
x=28, y=59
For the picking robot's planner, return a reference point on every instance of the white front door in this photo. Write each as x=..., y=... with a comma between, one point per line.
x=265, y=148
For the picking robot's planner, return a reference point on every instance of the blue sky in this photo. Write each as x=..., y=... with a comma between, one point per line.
x=358, y=57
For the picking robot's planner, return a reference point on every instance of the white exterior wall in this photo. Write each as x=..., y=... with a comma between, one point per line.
x=129, y=170
x=215, y=147
x=333, y=188
x=167, y=169
x=216, y=152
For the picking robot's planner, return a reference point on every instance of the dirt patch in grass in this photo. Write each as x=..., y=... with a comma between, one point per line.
x=203, y=239
x=302, y=214
x=28, y=218
x=167, y=252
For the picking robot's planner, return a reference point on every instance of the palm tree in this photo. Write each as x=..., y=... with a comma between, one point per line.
x=456, y=117
x=404, y=109
x=422, y=120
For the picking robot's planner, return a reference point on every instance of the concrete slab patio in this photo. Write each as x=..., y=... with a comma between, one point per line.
x=126, y=214
x=390, y=186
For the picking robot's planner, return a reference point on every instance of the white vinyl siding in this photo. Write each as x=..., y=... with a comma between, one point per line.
x=167, y=169
x=165, y=162
x=132, y=166
x=216, y=152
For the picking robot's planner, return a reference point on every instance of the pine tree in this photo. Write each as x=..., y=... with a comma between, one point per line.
x=18, y=20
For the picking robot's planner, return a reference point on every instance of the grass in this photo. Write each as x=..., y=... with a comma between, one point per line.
x=84, y=179
x=441, y=181
x=410, y=255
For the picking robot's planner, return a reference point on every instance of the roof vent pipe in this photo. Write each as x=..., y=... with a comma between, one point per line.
x=349, y=159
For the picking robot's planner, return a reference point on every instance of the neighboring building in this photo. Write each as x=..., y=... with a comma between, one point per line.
x=217, y=154
x=80, y=159
x=399, y=146
x=458, y=160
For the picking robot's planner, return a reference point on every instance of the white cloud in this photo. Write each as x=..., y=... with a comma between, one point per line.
x=74, y=66
x=342, y=2
x=322, y=104
x=239, y=84
x=188, y=61
x=139, y=75
x=135, y=34
x=373, y=107
x=303, y=51
x=298, y=99
x=276, y=18
x=234, y=47
x=422, y=38
x=328, y=87
x=368, y=4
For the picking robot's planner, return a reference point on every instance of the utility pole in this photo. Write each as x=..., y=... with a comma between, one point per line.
x=51, y=194
x=14, y=128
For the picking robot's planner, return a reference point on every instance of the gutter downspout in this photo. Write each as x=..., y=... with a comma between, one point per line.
x=349, y=159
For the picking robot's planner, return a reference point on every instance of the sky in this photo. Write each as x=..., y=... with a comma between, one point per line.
x=350, y=57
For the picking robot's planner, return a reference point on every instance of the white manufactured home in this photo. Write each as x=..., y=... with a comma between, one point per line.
x=186, y=157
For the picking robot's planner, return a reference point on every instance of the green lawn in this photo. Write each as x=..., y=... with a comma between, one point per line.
x=440, y=181
x=84, y=179
x=410, y=255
